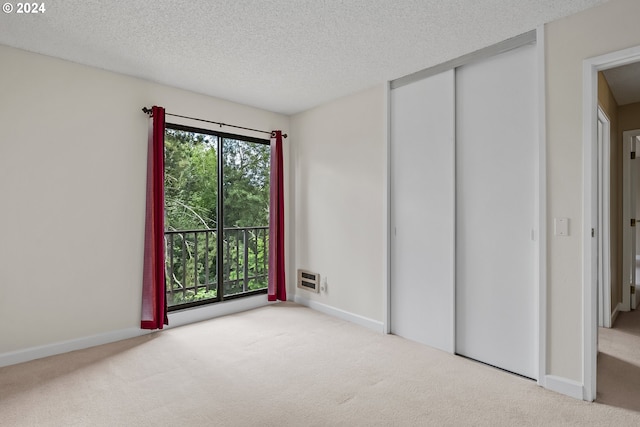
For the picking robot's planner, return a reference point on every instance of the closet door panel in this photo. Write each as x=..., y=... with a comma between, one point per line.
x=422, y=211
x=496, y=151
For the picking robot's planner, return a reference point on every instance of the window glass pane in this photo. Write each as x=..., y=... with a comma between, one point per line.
x=191, y=182
x=246, y=215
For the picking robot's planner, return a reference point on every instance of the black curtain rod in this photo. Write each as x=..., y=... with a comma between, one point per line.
x=148, y=111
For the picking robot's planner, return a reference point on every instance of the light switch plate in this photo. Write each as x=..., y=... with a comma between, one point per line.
x=561, y=226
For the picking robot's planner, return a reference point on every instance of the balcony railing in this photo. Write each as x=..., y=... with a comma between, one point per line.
x=192, y=264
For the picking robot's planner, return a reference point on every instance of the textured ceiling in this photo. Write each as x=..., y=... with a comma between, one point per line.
x=281, y=55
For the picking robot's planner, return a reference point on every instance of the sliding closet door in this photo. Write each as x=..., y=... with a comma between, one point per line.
x=422, y=210
x=496, y=134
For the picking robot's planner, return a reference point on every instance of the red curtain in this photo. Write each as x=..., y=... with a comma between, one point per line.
x=277, y=282
x=154, y=307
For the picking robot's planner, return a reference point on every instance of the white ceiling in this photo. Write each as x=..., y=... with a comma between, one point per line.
x=624, y=83
x=281, y=55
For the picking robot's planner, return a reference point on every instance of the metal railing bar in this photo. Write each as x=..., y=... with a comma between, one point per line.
x=202, y=230
x=265, y=259
x=206, y=261
x=196, y=280
x=171, y=264
x=237, y=269
x=226, y=268
x=184, y=267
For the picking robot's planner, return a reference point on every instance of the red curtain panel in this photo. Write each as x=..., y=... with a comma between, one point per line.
x=154, y=308
x=277, y=282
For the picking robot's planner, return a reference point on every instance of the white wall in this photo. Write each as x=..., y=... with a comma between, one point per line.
x=72, y=193
x=606, y=28
x=339, y=155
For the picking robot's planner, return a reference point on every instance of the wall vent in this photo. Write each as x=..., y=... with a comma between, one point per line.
x=309, y=281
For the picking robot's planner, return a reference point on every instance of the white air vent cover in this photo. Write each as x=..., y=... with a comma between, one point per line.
x=309, y=281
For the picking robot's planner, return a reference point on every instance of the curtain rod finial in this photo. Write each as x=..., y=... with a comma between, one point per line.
x=273, y=134
x=146, y=110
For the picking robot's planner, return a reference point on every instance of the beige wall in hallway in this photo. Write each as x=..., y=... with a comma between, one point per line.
x=628, y=118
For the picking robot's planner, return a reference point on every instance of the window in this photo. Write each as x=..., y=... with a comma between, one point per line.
x=217, y=216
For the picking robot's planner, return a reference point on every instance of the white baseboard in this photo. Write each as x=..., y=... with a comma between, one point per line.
x=564, y=386
x=177, y=318
x=615, y=313
x=374, y=325
x=41, y=351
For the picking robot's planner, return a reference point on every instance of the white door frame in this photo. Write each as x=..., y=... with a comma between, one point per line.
x=541, y=205
x=590, y=69
x=628, y=240
x=604, y=223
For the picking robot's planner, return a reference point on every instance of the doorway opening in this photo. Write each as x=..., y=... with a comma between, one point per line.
x=609, y=254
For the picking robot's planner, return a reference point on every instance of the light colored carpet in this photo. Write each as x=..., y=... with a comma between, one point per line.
x=282, y=365
x=619, y=362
